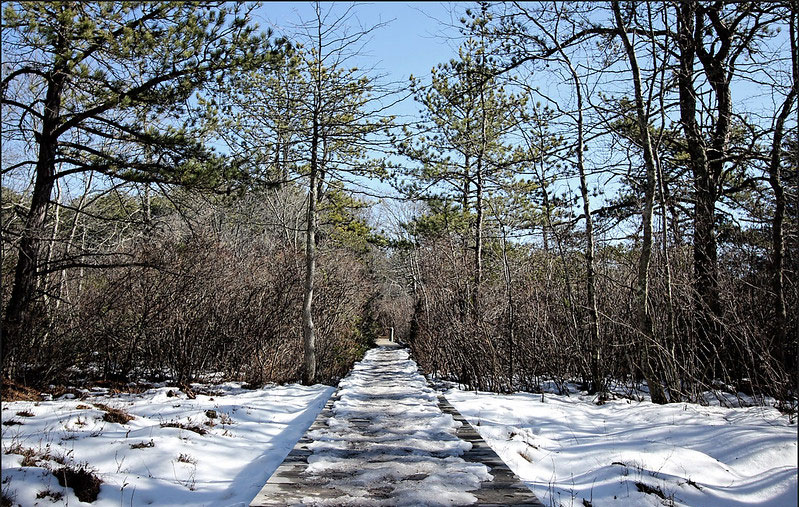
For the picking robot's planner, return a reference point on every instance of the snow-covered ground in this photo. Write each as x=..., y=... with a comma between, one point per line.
x=388, y=442
x=567, y=450
x=150, y=460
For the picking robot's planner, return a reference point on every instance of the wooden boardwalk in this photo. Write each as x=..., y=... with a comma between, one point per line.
x=290, y=485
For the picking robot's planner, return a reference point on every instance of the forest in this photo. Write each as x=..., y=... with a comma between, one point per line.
x=593, y=192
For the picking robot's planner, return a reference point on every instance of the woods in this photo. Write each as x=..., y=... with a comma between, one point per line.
x=594, y=192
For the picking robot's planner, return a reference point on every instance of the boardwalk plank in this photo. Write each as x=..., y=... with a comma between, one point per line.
x=291, y=485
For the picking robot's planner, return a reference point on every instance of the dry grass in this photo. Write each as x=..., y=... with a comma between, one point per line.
x=142, y=445
x=190, y=427
x=32, y=457
x=185, y=458
x=55, y=496
x=12, y=391
x=114, y=415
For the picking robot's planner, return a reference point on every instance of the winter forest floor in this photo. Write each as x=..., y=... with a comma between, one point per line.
x=221, y=446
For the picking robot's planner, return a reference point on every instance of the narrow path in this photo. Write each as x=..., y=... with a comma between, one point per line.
x=386, y=438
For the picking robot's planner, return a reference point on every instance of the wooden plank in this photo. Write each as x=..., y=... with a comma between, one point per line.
x=506, y=488
x=290, y=485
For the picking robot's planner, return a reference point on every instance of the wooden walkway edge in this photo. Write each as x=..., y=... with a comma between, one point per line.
x=287, y=485
x=506, y=488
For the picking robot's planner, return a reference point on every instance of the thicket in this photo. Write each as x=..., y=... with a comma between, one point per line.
x=211, y=290
x=533, y=329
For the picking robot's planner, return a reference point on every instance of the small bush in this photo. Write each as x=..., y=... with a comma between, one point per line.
x=25, y=413
x=83, y=482
x=185, y=458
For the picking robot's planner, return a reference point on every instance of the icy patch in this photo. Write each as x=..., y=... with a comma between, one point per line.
x=388, y=442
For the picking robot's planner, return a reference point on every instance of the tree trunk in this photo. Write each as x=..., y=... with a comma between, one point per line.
x=308, y=332
x=18, y=311
x=478, y=239
x=775, y=180
x=642, y=288
x=708, y=306
x=597, y=380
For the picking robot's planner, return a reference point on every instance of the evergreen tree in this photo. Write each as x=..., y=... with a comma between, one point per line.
x=106, y=88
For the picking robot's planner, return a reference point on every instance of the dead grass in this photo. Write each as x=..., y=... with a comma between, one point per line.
x=190, y=427
x=12, y=391
x=114, y=415
x=25, y=413
x=55, y=496
x=185, y=458
x=646, y=488
x=142, y=445
x=31, y=457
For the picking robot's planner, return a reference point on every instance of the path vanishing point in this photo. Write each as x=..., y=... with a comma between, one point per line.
x=387, y=438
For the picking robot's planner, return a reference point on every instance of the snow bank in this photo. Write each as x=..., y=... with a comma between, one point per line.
x=159, y=457
x=567, y=449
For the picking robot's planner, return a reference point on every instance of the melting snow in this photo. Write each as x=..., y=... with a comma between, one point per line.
x=388, y=442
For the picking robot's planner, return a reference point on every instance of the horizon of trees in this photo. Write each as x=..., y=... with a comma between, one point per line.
x=583, y=196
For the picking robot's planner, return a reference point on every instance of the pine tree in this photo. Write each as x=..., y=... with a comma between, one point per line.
x=106, y=88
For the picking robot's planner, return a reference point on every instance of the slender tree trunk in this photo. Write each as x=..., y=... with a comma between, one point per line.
x=597, y=380
x=669, y=342
x=642, y=288
x=309, y=338
x=775, y=180
x=478, y=238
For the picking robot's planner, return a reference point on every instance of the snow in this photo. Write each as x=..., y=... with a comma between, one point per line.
x=388, y=442
x=567, y=448
x=143, y=463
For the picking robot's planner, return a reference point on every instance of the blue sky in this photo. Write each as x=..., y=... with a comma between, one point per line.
x=417, y=35
x=411, y=43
